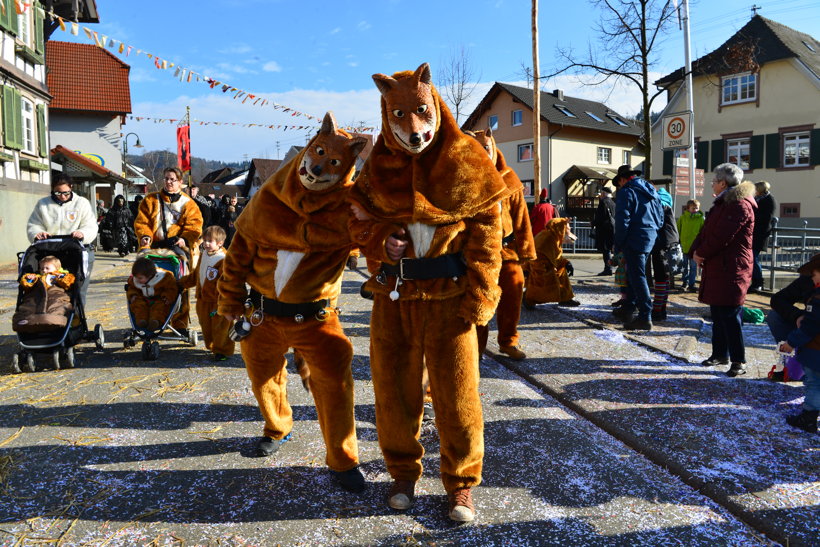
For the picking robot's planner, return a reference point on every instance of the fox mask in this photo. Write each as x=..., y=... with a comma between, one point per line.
x=410, y=108
x=487, y=141
x=329, y=156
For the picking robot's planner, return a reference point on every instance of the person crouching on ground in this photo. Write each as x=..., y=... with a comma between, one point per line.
x=151, y=293
x=205, y=277
x=805, y=341
x=548, y=279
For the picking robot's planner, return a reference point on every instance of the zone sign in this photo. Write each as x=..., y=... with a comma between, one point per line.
x=677, y=130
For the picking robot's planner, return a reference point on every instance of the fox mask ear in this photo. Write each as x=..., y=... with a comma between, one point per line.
x=489, y=132
x=384, y=83
x=328, y=124
x=422, y=74
x=357, y=145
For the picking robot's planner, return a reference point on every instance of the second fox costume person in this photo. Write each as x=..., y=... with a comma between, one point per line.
x=428, y=195
x=291, y=246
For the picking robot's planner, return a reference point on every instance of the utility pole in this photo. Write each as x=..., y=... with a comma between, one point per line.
x=690, y=101
x=536, y=106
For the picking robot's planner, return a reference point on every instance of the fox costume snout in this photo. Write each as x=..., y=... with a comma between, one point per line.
x=410, y=108
x=330, y=158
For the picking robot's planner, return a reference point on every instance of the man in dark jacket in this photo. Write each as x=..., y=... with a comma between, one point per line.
x=604, y=224
x=763, y=227
x=205, y=206
x=638, y=217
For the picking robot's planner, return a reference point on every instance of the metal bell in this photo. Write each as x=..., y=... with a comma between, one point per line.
x=338, y=310
x=321, y=315
x=299, y=318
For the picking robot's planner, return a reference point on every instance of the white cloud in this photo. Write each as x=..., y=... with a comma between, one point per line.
x=337, y=30
x=272, y=66
x=363, y=25
x=140, y=75
x=236, y=49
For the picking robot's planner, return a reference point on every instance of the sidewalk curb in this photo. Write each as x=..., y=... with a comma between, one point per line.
x=657, y=457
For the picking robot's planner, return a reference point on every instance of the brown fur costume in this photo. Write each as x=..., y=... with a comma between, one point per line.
x=152, y=301
x=45, y=304
x=214, y=327
x=548, y=280
x=283, y=218
x=183, y=219
x=515, y=222
x=451, y=189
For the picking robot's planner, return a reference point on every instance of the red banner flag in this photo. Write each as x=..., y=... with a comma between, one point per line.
x=184, y=147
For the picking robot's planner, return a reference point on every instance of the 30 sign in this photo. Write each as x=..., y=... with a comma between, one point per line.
x=677, y=131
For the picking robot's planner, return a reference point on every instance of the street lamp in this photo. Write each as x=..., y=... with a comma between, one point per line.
x=125, y=153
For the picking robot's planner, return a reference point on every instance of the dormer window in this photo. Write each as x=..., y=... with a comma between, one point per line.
x=738, y=88
x=594, y=117
x=617, y=120
x=808, y=45
x=565, y=111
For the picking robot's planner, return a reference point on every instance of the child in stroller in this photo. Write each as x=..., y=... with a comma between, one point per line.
x=153, y=293
x=50, y=312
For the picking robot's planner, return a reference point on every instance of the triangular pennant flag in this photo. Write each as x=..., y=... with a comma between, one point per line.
x=61, y=22
x=75, y=29
x=121, y=48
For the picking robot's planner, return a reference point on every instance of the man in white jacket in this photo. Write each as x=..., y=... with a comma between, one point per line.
x=65, y=213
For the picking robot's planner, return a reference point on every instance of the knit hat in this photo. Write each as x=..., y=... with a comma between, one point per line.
x=809, y=267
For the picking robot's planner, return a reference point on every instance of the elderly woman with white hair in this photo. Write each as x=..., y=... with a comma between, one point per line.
x=723, y=249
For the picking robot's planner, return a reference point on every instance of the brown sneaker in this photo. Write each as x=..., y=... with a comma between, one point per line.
x=461, y=505
x=513, y=352
x=401, y=495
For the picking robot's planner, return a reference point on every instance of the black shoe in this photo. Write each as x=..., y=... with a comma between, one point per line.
x=268, y=447
x=351, y=480
x=639, y=323
x=220, y=357
x=692, y=288
x=754, y=289
x=714, y=361
x=569, y=303
x=737, y=369
x=618, y=303
x=624, y=313
x=605, y=272
x=659, y=315
x=806, y=420
x=777, y=376
x=429, y=412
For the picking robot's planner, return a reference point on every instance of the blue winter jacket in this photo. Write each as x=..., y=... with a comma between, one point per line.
x=807, y=338
x=638, y=216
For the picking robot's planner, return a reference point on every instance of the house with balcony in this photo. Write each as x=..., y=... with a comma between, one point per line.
x=582, y=143
x=756, y=104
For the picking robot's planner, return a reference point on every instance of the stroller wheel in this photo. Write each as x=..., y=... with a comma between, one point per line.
x=145, y=351
x=29, y=366
x=15, y=364
x=99, y=337
x=154, y=351
x=69, y=358
x=193, y=337
x=55, y=359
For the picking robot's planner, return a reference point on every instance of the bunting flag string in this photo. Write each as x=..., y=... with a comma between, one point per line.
x=181, y=73
x=239, y=124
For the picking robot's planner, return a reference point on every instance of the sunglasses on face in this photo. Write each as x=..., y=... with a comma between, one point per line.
x=62, y=193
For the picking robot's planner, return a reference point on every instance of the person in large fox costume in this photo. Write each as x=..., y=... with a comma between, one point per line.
x=291, y=246
x=426, y=207
x=517, y=247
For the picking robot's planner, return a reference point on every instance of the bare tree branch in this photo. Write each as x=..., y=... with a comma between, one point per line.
x=457, y=80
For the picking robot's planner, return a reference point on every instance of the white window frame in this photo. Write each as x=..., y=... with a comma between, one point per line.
x=738, y=88
x=627, y=157
x=29, y=127
x=24, y=27
x=604, y=155
x=523, y=147
x=520, y=116
x=737, y=149
x=802, y=148
x=492, y=121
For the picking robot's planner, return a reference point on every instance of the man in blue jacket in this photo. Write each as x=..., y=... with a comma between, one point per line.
x=638, y=217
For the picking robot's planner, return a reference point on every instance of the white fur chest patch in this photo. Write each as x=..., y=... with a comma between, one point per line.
x=422, y=236
x=286, y=264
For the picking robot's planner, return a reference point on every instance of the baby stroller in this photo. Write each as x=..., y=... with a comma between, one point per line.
x=59, y=341
x=167, y=260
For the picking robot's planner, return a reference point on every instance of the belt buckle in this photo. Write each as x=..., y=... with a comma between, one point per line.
x=401, y=268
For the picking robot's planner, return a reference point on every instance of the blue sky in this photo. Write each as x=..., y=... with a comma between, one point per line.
x=315, y=56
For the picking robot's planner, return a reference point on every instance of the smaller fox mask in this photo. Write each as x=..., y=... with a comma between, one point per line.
x=487, y=142
x=329, y=157
x=410, y=108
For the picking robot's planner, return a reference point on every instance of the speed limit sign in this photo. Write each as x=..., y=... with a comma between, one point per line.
x=677, y=130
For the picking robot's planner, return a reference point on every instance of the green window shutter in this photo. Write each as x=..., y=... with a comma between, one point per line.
x=718, y=152
x=702, y=155
x=814, y=147
x=668, y=158
x=8, y=117
x=773, y=150
x=756, y=152
x=39, y=42
x=41, y=131
x=18, y=120
x=10, y=22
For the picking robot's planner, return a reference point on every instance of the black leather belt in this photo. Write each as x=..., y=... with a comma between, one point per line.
x=276, y=308
x=506, y=241
x=449, y=265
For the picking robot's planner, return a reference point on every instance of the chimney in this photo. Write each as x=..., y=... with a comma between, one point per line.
x=559, y=94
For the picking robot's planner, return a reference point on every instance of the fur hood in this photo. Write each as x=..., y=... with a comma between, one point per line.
x=285, y=215
x=452, y=179
x=744, y=190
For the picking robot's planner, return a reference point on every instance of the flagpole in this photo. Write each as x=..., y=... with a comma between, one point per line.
x=190, y=155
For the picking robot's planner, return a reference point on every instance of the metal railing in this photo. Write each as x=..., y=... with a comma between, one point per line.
x=584, y=242
x=789, y=247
